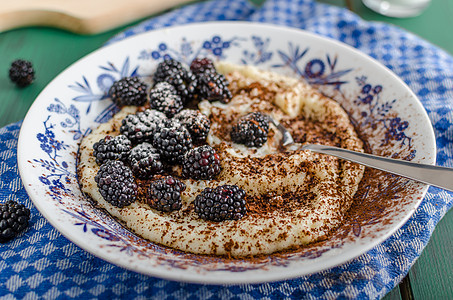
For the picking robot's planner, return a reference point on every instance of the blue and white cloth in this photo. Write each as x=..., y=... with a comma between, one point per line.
x=41, y=263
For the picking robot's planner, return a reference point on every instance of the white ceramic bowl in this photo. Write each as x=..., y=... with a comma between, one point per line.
x=383, y=108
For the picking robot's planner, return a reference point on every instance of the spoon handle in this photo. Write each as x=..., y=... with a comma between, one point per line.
x=437, y=176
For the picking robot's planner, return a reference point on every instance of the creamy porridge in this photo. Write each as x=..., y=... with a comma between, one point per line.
x=292, y=197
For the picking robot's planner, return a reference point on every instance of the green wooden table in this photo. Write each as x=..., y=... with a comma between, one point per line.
x=52, y=50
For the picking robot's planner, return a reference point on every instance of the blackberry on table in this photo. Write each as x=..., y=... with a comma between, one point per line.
x=21, y=72
x=225, y=202
x=164, y=194
x=251, y=130
x=164, y=98
x=213, y=87
x=197, y=123
x=116, y=183
x=141, y=126
x=201, y=163
x=172, y=141
x=14, y=219
x=145, y=161
x=129, y=91
x=201, y=65
x=174, y=73
x=111, y=148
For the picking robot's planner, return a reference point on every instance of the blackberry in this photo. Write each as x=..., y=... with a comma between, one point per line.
x=172, y=141
x=111, y=148
x=145, y=161
x=21, y=72
x=164, y=98
x=164, y=194
x=201, y=163
x=213, y=87
x=185, y=84
x=167, y=68
x=197, y=123
x=128, y=91
x=174, y=73
x=116, y=183
x=225, y=202
x=141, y=126
x=251, y=130
x=201, y=65
x=14, y=219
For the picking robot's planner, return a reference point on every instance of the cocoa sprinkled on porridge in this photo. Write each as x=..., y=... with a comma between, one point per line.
x=285, y=199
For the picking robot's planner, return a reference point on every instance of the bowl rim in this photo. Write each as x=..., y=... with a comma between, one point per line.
x=257, y=278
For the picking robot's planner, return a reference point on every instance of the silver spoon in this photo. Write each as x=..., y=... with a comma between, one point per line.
x=437, y=176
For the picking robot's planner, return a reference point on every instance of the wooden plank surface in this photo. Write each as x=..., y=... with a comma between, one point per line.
x=50, y=50
x=432, y=274
x=81, y=16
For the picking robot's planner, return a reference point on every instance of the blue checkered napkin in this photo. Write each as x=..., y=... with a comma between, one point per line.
x=44, y=264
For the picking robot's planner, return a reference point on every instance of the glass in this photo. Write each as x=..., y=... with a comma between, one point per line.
x=397, y=8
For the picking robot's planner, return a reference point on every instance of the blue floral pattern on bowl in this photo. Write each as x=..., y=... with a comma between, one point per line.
x=87, y=105
x=375, y=112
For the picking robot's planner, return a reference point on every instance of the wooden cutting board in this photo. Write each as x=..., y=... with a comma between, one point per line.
x=80, y=16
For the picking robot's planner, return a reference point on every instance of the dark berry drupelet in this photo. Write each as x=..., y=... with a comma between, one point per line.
x=201, y=163
x=14, y=219
x=129, y=91
x=197, y=123
x=164, y=194
x=213, y=87
x=201, y=65
x=145, y=161
x=164, y=98
x=174, y=73
x=116, y=183
x=172, y=141
x=111, y=148
x=251, y=130
x=225, y=202
x=21, y=72
x=141, y=126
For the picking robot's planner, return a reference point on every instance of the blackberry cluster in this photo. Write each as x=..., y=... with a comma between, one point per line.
x=116, y=183
x=202, y=65
x=141, y=126
x=225, y=202
x=128, y=91
x=173, y=72
x=164, y=194
x=21, y=72
x=213, y=86
x=172, y=142
x=14, y=219
x=201, y=163
x=166, y=133
x=197, y=123
x=164, y=98
x=251, y=130
x=111, y=148
x=145, y=161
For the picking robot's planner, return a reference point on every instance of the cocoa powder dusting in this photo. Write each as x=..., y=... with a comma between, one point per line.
x=266, y=204
x=377, y=195
x=311, y=131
